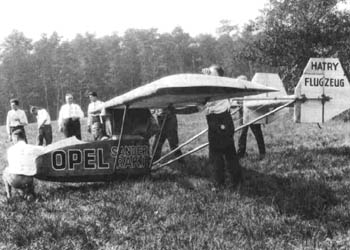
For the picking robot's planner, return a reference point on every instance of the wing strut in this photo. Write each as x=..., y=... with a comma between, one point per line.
x=158, y=139
x=120, y=138
x=159, y=166
x=180, y=146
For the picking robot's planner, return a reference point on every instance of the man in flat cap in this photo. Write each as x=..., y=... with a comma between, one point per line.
x=16, y=119
x=93, y=117
x=44, y=125
x=21, y=165
x=69, y=118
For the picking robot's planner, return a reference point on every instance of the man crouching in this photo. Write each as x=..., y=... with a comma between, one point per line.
x=21, y=165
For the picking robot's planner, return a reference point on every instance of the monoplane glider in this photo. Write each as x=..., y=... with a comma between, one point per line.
x=322, y=93
x=128, y=120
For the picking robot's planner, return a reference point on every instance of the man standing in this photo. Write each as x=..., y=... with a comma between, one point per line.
x=242, y=142
x=16, y=119
x=256, y=129
x=220, y=136
x=93, y=117
x=21, y=165
x=44, y=125
x=69, y=118
x=167, y=119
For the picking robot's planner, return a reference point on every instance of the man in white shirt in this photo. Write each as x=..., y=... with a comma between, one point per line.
x=21, y=165
x=44, y=125
x=93, y=117
x=69, y=118
x=222, y=151
x=16, y=119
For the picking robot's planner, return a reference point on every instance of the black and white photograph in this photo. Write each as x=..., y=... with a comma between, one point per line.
x=175, y=125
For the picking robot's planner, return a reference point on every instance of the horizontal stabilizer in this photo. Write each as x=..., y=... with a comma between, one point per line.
x=255, y=104
x=322, y=92
x=185, y=89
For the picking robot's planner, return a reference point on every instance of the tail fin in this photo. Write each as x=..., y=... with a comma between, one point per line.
x=322, y=92
x=254, y=108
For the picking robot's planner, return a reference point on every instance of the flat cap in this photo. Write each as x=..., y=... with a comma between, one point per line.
x=17, y=132
x=92, y=93
x=14, y=100
x=32, y=108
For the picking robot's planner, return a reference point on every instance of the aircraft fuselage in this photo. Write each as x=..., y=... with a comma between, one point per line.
x=95, y=161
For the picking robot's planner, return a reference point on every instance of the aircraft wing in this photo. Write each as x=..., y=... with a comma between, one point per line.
x=185, y=89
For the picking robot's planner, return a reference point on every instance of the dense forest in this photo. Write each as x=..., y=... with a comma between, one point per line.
x=281, y=40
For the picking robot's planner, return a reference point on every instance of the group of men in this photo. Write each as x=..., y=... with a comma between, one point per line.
x=69, y=118
x=21, y=156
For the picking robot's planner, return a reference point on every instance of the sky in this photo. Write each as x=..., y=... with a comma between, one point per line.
x=105, y=17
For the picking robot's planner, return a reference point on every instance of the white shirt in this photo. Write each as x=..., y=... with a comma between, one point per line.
x=217, y=107
x=70, y=111
x=43, y=118
x=92, y=107
x=15, y=118
x=21, y=158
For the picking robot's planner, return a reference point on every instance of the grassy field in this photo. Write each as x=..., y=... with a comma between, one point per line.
x=298, y=197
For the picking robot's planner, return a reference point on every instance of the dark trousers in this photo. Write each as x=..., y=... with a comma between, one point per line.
x=45, y=133
x=72, y=128
x=219, y=158
x=222, y=151
x=20, y=128
x=169, y=133
x=242, y=143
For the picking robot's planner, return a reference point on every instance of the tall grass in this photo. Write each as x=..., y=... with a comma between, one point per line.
x=297, y=197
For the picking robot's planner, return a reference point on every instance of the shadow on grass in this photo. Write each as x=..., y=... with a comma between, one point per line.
x=309, y=184
x=333, y=151
x=297, y=195
x=310, y=199
x=66, y=188
x=183, y=173
x=79, y=187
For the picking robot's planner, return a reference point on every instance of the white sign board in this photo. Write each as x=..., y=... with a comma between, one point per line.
x=326, y=89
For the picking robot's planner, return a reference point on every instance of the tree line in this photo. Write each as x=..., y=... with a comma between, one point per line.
x=281, y=40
